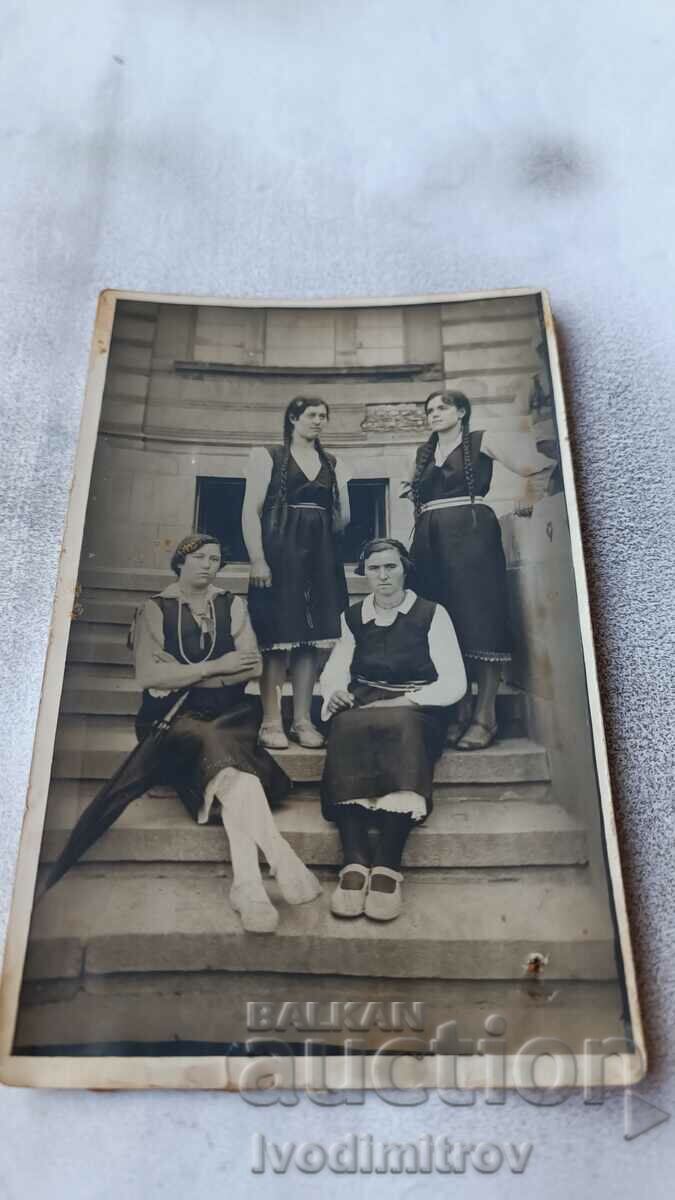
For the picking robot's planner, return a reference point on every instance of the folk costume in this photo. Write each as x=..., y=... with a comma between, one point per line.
x=309, y=591
x=457, y=549
x=202, y=741
x=382, y=759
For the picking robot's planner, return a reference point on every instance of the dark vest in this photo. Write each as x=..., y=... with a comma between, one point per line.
x=190, y=631
x=395, y=654
x=299, y=489
x=199, y=699
x=448, y=481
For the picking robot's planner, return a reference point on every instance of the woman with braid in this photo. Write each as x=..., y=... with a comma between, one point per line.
x=296, y=502
x=457, y=547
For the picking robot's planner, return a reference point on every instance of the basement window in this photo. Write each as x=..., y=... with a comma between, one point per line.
x=220, y=501
x=368, y=511
x=218, y=511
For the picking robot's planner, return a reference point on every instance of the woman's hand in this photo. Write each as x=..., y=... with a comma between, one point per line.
x=261, y=576
x=340, y=701
x=235, y=662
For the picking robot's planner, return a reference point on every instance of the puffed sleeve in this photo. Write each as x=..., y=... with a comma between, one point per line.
x=336, y=674
x=242, y=630
x=447, y=659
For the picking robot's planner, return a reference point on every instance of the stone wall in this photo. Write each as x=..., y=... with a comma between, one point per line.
x=190, y=389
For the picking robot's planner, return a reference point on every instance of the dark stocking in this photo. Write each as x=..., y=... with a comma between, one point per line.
x=394, y=829
x=353, y=821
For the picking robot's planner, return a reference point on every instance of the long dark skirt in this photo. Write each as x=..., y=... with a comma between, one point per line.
x=308, y=591
x=203, y=741
x=198, y=744
x=462, y=567
x=374, y=751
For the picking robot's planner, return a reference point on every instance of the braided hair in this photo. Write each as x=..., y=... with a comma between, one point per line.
x=190, y=544
x=428, y=451
x=294, y=410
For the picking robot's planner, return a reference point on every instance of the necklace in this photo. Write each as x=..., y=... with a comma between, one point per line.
x=203, y=620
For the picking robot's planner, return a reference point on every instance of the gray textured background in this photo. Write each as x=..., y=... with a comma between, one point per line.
x=299, y=148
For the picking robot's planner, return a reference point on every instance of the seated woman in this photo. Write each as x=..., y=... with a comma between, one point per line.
x=195, y=651
x=386, y=686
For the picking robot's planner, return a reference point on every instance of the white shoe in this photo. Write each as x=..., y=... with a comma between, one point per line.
x=297, y=884
x=272, y=737
x=384, y=906
x=257, y=913
x=349, y=902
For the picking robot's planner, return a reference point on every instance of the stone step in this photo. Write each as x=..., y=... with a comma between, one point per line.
x=106, y=694
x=93, y=748
x=464, y=834
x=210, y=1008
x=467, y=928
x=112, y=582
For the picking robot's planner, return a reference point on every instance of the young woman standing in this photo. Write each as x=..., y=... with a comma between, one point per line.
x=457, y=547
x=296, y=503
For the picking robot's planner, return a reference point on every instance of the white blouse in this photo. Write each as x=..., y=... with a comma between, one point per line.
x=443, y=650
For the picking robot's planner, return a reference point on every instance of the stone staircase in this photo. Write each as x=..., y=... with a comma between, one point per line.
x=498, y=874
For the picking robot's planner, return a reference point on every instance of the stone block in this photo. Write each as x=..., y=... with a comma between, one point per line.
x=507, y=307
x=510, y=357
x=127, y=355
x=463, y=834
x=493, y=332
x=136, y=329
x=175, y=325
x=126, y=384
x=471, y=928
x=209, y=1007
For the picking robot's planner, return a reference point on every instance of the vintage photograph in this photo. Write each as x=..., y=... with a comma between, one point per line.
x=320, y=753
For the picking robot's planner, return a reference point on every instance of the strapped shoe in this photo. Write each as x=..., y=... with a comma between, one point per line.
x=309, y=737
x=480, y=741
x=272, y=736
x=384, y=906
x=349, y=902
x=297, y=884
x=256, y=911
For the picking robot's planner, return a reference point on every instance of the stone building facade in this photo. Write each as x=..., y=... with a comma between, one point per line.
x=191, y=388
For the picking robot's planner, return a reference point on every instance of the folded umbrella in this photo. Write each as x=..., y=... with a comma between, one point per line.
x=134, y=776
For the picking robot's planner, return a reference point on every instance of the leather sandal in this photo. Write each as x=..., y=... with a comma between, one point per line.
x=384, y=906
x=307, y=736
x=349, y=902
x=470, y=744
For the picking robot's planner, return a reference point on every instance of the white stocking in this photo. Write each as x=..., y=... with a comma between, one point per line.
x=249, y=823
x=245, y=809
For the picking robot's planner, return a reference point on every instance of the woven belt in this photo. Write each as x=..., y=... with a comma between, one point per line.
x=320, y=507
x=452, y=502
x=410, y=686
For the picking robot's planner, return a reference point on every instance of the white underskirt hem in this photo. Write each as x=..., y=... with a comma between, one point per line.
x=410, y=803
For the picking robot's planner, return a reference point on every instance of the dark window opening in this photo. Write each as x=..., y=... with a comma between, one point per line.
x=219, y=505
x=368, y=511
x=220, y=502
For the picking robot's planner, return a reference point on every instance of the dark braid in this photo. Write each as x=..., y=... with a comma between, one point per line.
x=280, y=510
x=327, y=461
x=428, y=451
x=468, y=466
x=425, y=455
x=294, y=410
